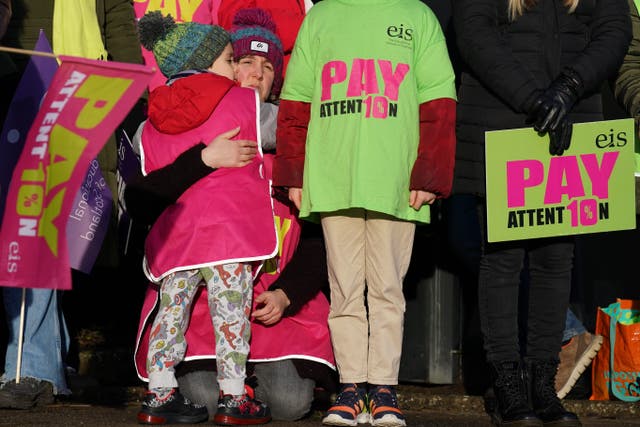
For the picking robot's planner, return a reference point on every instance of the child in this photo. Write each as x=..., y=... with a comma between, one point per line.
x=373, y=84
x=292, y=352
x=215, y=231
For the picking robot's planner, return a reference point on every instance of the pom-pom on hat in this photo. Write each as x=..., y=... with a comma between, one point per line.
x=253, y=32
x=180, y=47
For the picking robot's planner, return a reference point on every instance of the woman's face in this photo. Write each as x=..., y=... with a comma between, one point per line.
x=223, y=65
x=256, y=72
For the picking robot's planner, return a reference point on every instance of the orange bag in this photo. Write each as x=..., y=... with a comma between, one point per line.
x=616, y=367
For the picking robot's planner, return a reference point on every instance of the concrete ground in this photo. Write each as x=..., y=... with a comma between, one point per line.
x=93, y=404
x=441, y=406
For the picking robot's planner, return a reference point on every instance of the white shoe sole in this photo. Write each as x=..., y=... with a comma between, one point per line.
x=337, y=420
x=581, y=365
x=388, y=421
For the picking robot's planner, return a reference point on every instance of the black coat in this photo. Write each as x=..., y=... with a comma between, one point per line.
x=506, y=63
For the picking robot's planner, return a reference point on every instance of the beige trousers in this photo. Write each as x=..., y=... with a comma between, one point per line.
x=366, y=247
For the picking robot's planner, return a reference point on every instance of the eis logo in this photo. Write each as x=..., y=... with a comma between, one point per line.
x=399, y=32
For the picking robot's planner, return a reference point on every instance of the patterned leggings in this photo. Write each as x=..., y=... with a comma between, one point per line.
x=229, y=294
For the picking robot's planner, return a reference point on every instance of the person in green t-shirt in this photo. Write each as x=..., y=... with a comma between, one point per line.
x=367, y=123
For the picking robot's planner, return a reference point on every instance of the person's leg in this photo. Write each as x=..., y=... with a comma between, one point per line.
x=288, y=395
x=344, y=233
x=45, y=344
x=498, y=289
x=230, y=294
x=389, y=243
x=572, y=326
x=167, y=344
x=550, y=265
x=579, y=347
x=163, y=402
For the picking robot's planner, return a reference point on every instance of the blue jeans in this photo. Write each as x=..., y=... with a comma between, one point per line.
x=288, y=395
x=45, y=341
x=572, y=327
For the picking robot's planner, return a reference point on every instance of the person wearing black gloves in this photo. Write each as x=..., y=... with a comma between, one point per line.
x=538, y=62
x=550, y=110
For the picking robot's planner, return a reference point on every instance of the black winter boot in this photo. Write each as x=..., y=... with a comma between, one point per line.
x=511, y=407
x=546, y=403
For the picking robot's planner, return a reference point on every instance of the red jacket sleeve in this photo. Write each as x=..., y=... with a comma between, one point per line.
x=433, y=169
x=291, y=137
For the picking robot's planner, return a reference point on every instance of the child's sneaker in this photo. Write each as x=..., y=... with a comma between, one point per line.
x=241, y=410
x=383, y=404
x=171, y=409
x=350, y=408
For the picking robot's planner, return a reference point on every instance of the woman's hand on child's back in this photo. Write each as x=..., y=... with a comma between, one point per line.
x=223, y=152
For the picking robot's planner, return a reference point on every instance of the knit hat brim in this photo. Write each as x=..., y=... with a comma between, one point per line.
x=253, y=33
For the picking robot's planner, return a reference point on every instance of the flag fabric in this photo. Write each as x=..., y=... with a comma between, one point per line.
x=23, y=109
x=89, y=219
x=128, y=169
x=85, y=102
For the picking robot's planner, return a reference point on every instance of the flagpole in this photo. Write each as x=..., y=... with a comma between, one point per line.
x=27, y=52
x=20, y=335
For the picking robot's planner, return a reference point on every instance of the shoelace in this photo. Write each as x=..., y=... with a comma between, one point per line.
x=543, y=374
x=249, y=406
x=154, y=401
x=384, y=397
x=513, y=391
x=243, y=401
x=349, y=396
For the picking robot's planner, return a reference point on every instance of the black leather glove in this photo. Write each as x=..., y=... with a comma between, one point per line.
x=560, y=137
x=550, y=108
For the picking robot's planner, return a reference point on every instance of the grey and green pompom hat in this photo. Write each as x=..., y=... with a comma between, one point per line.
x=179, y=47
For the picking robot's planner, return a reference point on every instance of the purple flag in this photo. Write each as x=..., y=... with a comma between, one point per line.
x=88, y=220
x=22, y=111
x=128, y=168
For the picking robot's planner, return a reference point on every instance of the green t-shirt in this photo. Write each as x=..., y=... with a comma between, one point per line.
x=365, y=67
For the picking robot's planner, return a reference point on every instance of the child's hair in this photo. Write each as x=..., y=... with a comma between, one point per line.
x=181, y=47
x=253, y=32
x=517, y=7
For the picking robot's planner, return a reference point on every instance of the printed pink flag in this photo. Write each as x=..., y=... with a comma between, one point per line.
x=85, y=102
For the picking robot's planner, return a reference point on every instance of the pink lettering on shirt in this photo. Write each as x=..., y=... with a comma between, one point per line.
x=363, y=78
x=333, y=72
x=392, y=79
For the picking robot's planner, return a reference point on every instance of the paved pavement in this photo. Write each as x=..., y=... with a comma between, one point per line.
x=74, y=414
x=425, y=406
